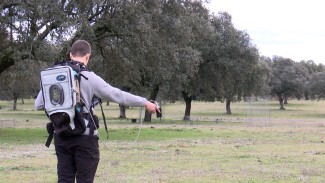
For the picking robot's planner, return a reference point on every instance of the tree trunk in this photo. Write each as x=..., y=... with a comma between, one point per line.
x=22, y=101
x=14, y=107
x=188, y=102
x=281, y=101
x=153, y=96
x=123, y=108
x=122, y=112
x=285, y=100
x=306, y=94
x=228, y=101
x=147, y=116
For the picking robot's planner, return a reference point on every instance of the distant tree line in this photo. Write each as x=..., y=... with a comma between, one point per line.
x=176, y=50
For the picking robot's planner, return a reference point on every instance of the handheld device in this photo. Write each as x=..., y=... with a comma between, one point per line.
x=158, y=109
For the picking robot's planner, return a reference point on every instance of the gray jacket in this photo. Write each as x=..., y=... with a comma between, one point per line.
x=96, y=86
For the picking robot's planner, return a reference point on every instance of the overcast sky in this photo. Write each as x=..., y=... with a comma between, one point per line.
x=289, y=28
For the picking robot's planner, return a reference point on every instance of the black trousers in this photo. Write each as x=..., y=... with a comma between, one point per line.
x=78, y=158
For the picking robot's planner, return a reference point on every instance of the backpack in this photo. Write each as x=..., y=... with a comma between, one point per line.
x=61, y=95
x=63, y=101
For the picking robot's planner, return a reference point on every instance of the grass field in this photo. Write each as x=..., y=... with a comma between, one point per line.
x=257, y=143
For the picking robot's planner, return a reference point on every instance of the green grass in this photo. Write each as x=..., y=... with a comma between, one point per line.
x=242, y=147
x=230, y=155
x=18, y=136
x=154, y=134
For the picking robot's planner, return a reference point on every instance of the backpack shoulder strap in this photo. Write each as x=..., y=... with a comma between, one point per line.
x=77, y=66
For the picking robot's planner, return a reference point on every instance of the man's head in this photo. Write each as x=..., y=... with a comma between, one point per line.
x=80, y=51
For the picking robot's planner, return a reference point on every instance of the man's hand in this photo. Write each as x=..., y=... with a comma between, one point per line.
x=152, y=107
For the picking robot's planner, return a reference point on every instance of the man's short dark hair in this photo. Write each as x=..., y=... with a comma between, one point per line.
x=80, y=48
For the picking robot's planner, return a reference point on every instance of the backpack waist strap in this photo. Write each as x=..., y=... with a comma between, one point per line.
x=93, y=124
x=89, y=132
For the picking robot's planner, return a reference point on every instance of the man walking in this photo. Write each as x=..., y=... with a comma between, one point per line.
x=78, y=155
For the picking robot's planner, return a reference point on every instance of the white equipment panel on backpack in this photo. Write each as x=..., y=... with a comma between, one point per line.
x=59, y=90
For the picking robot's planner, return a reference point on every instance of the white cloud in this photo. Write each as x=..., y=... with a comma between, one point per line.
x=290, y=28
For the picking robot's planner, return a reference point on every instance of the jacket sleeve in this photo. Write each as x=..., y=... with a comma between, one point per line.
x=39, y=103
x=105, y=91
